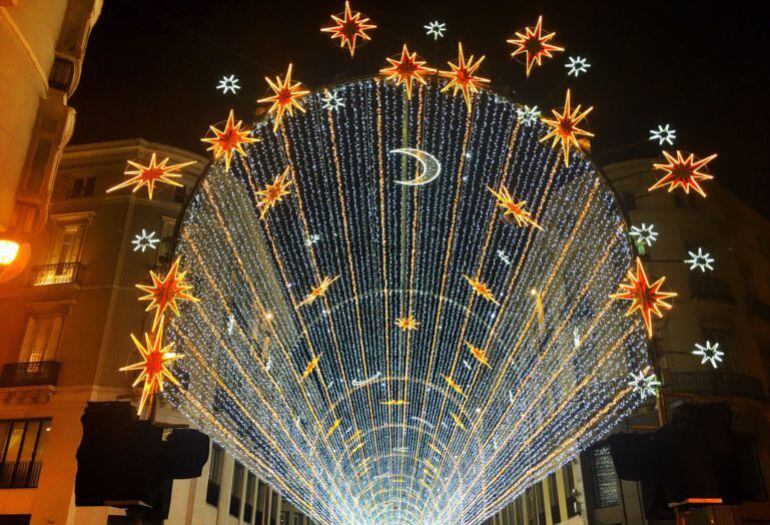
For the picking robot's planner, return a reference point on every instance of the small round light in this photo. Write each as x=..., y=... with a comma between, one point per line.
x=8, y=251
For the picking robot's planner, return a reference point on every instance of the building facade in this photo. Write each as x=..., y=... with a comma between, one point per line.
x=728, y=305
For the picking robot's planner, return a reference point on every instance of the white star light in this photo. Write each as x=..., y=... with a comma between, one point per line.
x=644, y=234
x=144, y=241
x=528, y=115
x=646, y=386
x=229, y=84
x=577, y=65
x=664, y=135
x=332, y=101
x=709, y=353
x=435, y=29
x=700, y=260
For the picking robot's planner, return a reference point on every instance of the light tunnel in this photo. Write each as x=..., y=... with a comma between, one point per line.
x=354, y=417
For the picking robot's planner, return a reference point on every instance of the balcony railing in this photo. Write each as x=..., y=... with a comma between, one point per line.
x=20, y=475
x=715, y=384
x=30, y=374
x=61, y=273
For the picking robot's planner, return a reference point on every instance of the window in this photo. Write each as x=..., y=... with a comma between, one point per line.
x=41, y=338
x=248, y=507
x=166, y=248
x=67, y=242
x=605, y=478
x=215, y=474
x=553, y=496
x=22, y=443
x=82, y=187
x=570, y=490
x=237, y=490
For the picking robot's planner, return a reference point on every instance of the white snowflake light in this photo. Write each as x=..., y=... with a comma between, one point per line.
x=145, y=241
x=644, y=234
x=435, y=29
x=664, y=135
x=229, y=84
x=528, y=115
x=710, y=353
x=700, y=260
x=332, y=101
x=645, y=385
x=577, y=65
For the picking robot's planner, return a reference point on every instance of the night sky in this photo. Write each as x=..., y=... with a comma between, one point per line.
x=702, y=66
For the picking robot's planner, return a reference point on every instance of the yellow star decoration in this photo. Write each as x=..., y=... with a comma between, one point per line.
x=481, y=289
x=153, y=366
x=164, y=293
x=229, y=140
x=453, y=385
x=394, y=403
x=512, y=209
x=458, y=421
x=406, y=70
x=645, y=297
x=533, y=44
x=479, y=354
x=154, y=172
x=274, y=193
x=311, y=366
x=683, y=172
x=319, y=291
x=349, y=28
x=565, y=127
x=334, y=427
x=462, y=76
x=407, y=323
x=285, y=98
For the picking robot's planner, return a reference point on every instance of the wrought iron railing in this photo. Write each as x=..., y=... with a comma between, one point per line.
x=61, y=273
x=28, y=374
x=20, y=474
x=715, y=384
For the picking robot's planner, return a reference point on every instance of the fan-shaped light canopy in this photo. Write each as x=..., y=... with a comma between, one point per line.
x=390, y=354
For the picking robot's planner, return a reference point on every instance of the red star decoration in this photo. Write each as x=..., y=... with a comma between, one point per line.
x=645, y=297
x=274, y=193
x=534, y=44
x=462, y=76
x=683, y=172
x=164, y=293
x=565, y=127
x=229, y=140
x=151, y=174
x=349, y=28
x=285, y=98
x=406, y=70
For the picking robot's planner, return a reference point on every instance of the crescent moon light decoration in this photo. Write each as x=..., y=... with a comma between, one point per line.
x=431, y=167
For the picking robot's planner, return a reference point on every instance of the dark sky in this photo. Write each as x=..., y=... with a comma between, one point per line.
x=702, y=66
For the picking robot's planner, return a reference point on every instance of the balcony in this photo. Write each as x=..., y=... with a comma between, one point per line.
x=35, y=373
x=20, y=475
x=51, y=274
x=715, y=384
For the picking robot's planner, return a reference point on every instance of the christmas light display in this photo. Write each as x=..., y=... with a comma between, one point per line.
x=528, y=115
x=577, y=65
x=710, y=353
x=512, y=210
x=154, y=173
x=406, y=69
x=332, y=101
x=534, y=45
x=349, y=27
x=664, y=135
x=164, y=293
x=229, y=140
x=274, y=192
x=285, y=98
x=296, y=356
x=435, y=29
x=431, y=167
x=145, y=241
x=645, y=297
x=700, y=260
x=229, y=84
x=683, y=172
x=564, y=127
x=462, y=76
x=643, y=234
x=646, y=385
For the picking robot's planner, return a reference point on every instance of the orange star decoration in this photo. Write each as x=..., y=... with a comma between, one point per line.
x=311, y=366
x=349, y=28
x=451, y=383
x=154, y=172
x=565, y=129
x=394, y=403
x=406, y=70
x=645, y=297
x=285, y=98
x=512, y=209
x=319, y=291
x=462, y=76
x=407, y=323
x=683, y=172
x=274, y=193
x=229, y=140
x=481, y=289
x=534, y=45
x=458, y=421
x=164, y=293
x=479, y=354
x=153, y=366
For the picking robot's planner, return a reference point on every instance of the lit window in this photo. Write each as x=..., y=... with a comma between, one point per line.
x=22, y=443
x=41, y=338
